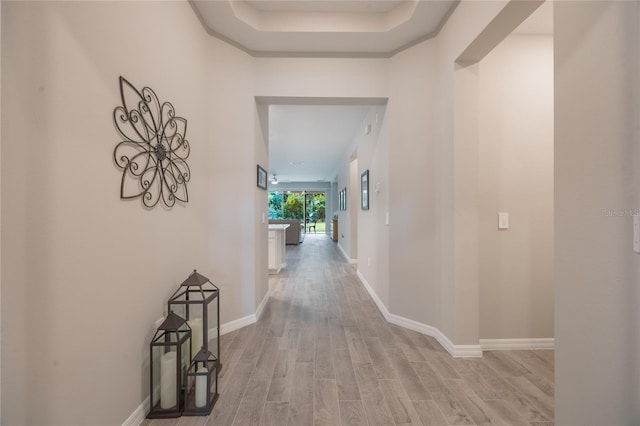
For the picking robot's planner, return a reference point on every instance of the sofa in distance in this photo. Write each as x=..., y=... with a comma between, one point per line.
x=293, y=234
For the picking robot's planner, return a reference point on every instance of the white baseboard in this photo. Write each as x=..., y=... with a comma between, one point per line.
x=248, y=320
x=457, y=351
x=237, y=324
x=346, y=256
x=263, y=304
x=139, y=414
x=517, y=344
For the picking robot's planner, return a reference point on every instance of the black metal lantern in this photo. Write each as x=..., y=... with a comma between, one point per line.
x=197, y=300
x=201, y=384
x=170, y=352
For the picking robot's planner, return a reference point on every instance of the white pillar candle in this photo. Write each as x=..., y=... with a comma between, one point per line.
x=201, y=388
x=168, y=380
x=196, y=335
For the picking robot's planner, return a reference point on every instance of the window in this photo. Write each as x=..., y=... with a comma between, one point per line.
x=299, y=205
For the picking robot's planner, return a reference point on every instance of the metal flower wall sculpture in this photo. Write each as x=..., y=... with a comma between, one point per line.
x=153, y=150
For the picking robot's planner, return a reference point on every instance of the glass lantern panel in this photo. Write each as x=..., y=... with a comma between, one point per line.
x=190, y=387
x=186, y=359
x=164, y=387
x=192, y=312
x=196, y=395
x=212, y=319
x=201, y=388
x=213, y=382
x=188, y=310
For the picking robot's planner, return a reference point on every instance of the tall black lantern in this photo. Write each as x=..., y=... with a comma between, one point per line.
x=201, y=384
x=197, y=300
x=170, y=353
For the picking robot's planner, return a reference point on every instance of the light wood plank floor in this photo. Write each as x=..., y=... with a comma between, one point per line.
x=322, y=354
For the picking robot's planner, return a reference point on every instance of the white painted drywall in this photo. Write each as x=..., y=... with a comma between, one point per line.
x=321, y=77
x=261, y=203
x=0, y=213
x=344, y=216
x=353, y=205
x=515, y=175
x=420, y=114
x=86, y=275
x=596, y=63
x=373, y=234
x=413, y=185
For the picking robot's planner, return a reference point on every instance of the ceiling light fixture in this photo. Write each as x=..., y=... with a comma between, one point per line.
x=274, y=180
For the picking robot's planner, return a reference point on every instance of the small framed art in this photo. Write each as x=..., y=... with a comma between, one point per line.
x=364, y=190
x=262, y=177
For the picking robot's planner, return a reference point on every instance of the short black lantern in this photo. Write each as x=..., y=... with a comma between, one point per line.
x=197, y=300
x=201, y=385
x=170, y=352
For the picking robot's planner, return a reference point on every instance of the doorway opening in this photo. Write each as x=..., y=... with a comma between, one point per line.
x=504, y=180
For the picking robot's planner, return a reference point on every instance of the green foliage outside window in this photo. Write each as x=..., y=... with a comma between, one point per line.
x=275, y=205
x=316, y=207
x=293, y=206
x=290, y=205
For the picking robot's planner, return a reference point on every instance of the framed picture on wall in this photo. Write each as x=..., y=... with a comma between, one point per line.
x=341, y=200
x=364, y=190
x=344, y=199
x=262, y=177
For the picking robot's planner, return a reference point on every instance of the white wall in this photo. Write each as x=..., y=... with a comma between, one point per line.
x=235, y=147
x=353, y=204
x=344, y=216
x=421, y=172
x=261, y=209
x=597, y=48
x=321, y=78
x=515, y=175
x=0, y=219
x=85, y=275
x=373, y=233
x=413, y=185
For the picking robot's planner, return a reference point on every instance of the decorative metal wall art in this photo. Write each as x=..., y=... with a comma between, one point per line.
x=153, y=150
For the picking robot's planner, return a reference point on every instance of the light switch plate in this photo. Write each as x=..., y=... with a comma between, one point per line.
x=503, y=220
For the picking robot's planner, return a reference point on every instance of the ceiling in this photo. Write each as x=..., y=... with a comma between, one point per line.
x=308, y=142
x=371, y=28
x=539, y=23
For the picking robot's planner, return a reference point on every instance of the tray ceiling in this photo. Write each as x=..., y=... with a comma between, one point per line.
x=370, y=28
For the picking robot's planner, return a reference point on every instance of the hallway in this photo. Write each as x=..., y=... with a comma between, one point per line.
x=322, y=354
